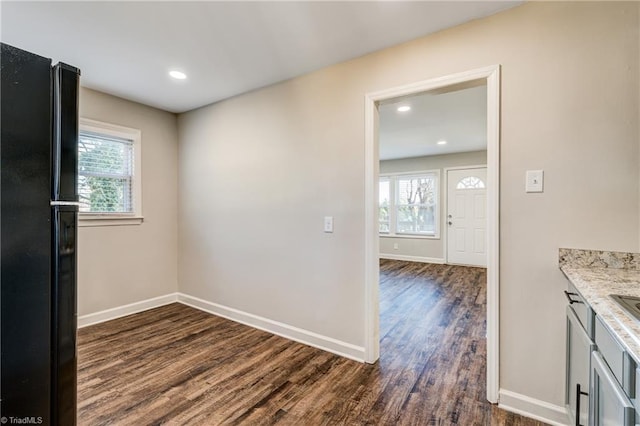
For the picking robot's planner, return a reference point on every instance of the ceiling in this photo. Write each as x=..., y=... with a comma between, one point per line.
x=225, y=48
x=458, y=116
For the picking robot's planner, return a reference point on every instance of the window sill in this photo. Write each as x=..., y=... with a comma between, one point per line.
x=96, y=220
x=418, y=237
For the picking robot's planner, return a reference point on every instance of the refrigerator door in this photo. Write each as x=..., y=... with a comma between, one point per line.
x=25, y=343
x=64, y=149
x=64, y=315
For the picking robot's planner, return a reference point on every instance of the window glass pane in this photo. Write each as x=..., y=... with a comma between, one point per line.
x=384, y=226
x=416, y=219
x=416, y=190
x=103, y=195
x=105, y=169
x=416, y=204
x=384, y=197
x=107, y=156
x=384, y=193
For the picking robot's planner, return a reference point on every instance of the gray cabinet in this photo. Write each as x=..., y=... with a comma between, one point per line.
x=579, y=348
x=602, y=378
x=610, y=406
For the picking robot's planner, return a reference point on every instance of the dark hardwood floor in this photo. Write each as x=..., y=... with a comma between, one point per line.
x=177, y=365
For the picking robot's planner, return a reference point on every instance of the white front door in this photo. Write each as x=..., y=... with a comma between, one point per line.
x=466, y=219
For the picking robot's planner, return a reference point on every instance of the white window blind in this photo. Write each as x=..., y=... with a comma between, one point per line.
x=105, y=173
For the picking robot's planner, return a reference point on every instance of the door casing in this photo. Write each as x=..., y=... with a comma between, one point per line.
x=491, y=75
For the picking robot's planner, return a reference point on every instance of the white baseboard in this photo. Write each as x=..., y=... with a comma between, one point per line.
x=533, y=408
x=310, y=338
x=421, y=259
x=122, y=311
x=510, y=401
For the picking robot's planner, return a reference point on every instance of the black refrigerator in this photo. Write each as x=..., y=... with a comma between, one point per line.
x=38, y=221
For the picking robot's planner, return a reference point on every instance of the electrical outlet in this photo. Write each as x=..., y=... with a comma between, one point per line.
x=395, y=246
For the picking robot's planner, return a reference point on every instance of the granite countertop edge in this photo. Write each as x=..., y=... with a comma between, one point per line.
x=596, y=281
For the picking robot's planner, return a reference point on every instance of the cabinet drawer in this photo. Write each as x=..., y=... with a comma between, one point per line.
x=611, y=350
x=582, y=310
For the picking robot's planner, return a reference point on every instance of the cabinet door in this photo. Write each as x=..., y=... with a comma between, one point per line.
x=609, y=405
x=579, y=347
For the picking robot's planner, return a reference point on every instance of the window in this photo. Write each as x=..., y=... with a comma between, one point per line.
x=109, y=173
x=408, y=204
x=470, y=182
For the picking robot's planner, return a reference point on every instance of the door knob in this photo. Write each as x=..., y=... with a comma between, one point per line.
x=449, y=216
x=450, y=223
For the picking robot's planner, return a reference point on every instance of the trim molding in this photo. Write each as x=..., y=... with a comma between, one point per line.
x=533, y=408
x=491, y=75
x=306, y=337
x=287, y=331
x=420, y=259
x=123, y=311
x=90, y=220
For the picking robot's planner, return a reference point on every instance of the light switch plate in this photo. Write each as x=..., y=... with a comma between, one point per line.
x=534, y=181
x=328, y=224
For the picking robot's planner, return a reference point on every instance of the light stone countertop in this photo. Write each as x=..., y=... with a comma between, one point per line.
x=595, y=284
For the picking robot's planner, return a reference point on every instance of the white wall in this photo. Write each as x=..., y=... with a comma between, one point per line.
x=258, y=173
x=426, y=248
x=118, y=265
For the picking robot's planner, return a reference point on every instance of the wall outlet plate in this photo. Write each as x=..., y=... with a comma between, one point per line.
x=328, y=224
x=534, y=181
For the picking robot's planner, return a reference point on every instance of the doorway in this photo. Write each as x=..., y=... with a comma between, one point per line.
x=466, y=223
x=491, y=77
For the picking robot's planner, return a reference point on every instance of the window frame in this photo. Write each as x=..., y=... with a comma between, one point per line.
x=393, y=207
x=117, y=218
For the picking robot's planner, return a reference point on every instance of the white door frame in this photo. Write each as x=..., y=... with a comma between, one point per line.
x=445, y=198
x=372, y=245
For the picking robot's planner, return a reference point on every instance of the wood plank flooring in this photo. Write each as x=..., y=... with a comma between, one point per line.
x=176, y=365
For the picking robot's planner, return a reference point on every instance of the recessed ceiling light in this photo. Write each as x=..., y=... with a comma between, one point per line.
x=442, y=142
x=404, y=108
x=178, y=75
